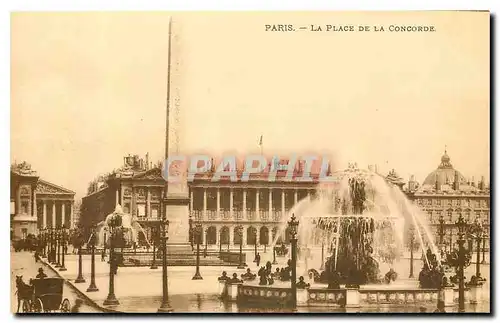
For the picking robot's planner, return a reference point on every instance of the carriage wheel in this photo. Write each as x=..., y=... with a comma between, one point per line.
x=26, y=306
x=37, y=306
x=65, y=306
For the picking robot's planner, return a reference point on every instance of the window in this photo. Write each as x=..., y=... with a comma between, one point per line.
x=24, y=207
x=438, y=202
x=141, y=210
x=154, y=212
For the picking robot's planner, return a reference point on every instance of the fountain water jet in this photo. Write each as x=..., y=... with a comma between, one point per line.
x=363, y=219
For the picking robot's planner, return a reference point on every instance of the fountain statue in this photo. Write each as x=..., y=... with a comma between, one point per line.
x=362, y=218
x=128, y=223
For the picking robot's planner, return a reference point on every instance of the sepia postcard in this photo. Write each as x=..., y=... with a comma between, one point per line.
x=242, y=162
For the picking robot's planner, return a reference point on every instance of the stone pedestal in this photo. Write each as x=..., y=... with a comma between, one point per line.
x=231, y=291
x=447, y=296
x=352, y=299
x=221, y=290
x=475, y=293
x=177, y=214
x=302, y=296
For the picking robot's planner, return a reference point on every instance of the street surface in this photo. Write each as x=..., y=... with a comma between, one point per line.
x=23, y=263
x=139, y=289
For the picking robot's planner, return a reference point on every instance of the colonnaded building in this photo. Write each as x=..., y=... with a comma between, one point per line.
x=36, y=204
x=259, y=205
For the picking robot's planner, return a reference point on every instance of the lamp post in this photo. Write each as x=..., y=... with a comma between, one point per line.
x=191, y=231
x=274, y=256
x=478, y=236
x=322, y=267
x=53, y=246
x=293, y=226
x=114, y=225
x=461, y=224
x=255, y=244
x=206, y=244
x=58, y=248
x=79, y=240
x=484, y=248
x=220, y=244
x=240, y=234
x=155, y=236
x=63, y=238
x=92, y=287
x=197, y=235
x=50, y=246
x=165, y=304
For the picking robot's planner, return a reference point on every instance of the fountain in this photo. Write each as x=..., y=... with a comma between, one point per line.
x=130, y=225
x=362, y=220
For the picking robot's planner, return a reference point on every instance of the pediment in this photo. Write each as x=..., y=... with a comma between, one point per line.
x=44, y=187
x=152, y=174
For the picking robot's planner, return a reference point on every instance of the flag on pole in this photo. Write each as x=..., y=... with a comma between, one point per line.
x=260, y=141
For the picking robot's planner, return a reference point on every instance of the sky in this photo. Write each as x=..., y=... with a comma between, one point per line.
x=90, y=88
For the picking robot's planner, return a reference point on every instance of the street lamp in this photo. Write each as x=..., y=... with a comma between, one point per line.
x=79, y=242
x=484, y=242
x=165, y=305
x=274, y=256
x=206, y=244
x=293, y=225
x=114, y=227
x=191, y=231
x=92, y=287
x=478, y=234
x=322, y=267
x=441, y=230
x=240, y=234
x=461, y=224
x=58, y=248
x=63, y=238
x=155, y=236
x=255, y=244
x=197, y=235
x=412, y=241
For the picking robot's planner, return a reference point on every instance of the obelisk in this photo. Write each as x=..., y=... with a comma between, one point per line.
x=176, y=199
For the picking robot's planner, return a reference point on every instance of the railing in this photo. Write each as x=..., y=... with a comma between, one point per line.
x=277, y=215
x=266, y=296
x=251, y=216
x=322, y=297
x=209, y=258
x=264, y=215
x=225, y=215
x=398, y=296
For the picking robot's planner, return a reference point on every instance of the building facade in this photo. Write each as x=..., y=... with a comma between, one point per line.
x=446, y=193
x=36, y=203
x=257, y=206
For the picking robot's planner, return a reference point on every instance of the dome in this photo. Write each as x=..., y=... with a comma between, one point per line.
x=444, y=174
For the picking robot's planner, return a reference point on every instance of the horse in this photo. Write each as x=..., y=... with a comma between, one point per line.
x=24, y=293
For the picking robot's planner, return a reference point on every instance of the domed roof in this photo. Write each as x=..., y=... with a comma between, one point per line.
x=444, y=174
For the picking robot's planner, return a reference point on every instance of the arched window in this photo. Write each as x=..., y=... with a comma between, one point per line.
x=211, y=235
x=251, y=236
x=224, y=235
x=264, y=236
x=236, y=235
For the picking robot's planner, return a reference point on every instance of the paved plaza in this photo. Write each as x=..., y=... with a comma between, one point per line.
x=139, y=289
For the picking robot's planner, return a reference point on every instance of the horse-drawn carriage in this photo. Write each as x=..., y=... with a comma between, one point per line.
x=42, y=295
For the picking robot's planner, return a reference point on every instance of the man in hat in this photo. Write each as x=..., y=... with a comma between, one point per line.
x=41, y=274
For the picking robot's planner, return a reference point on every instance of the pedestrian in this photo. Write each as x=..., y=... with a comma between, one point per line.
x=103, y=255
x=41, y=274
x=257, y=259
x=37, y=256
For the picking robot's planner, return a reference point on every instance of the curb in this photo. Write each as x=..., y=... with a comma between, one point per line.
x=78, y=291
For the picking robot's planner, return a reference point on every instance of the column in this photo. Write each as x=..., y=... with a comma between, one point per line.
x=121, y=195
x=295, y=196
x=218, y=203
x=53, y=214
x=231, y=203
x=44, y=206
x=117, y=196
x=35, y=215
x=231, y=236
x=217, y=235
x=148, y=202
x=72, y=221
x=63, y=215
x=133, y=202
x=191, y=200
x=244, y=236
x=244, y=203
x=204, y=202
x=257, y=235
x=18, y=200
x=283, y=202
x=257, y=204
x=270, y=202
